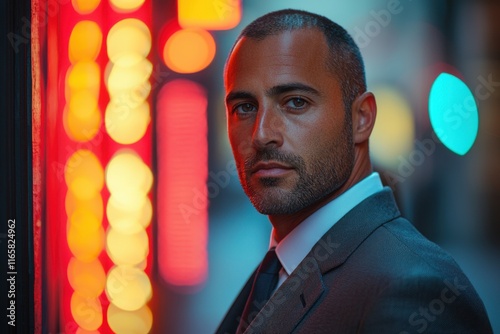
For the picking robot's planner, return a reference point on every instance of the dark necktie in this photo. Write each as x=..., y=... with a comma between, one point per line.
x=263, y=285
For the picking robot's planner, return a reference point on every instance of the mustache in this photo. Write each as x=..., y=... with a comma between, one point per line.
x=290, y=159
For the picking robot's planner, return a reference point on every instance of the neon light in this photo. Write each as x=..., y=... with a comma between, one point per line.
x=86, y=278
x=453, y=113
x=189, y=50
x=124, y=79
x=127, y=38
x=127, y=248
x=128, y=288
x=139, y=321
x=128, y=177
x=82, y=118
x=126, y=6
x=85, y=41
x=128, y=219
x=87, y=312
x=182, y=175
x=76, y=230
x=85, y=6
x=83, y=76
x=209, y=15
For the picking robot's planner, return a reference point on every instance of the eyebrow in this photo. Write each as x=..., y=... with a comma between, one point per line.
x=273, y=91
x=291, y=87
x=239, y=95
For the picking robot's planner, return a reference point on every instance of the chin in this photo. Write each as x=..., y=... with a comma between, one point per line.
x=273, y=210
x=275, y=203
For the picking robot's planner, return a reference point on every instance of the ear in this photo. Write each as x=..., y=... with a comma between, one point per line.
x=364, y=112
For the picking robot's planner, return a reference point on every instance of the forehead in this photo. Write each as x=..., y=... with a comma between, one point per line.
x=291, y=56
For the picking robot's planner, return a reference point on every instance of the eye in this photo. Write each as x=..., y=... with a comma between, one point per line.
x=296, y=103
x=244, y=108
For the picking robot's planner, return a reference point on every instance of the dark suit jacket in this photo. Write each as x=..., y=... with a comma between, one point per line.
x=372, y=272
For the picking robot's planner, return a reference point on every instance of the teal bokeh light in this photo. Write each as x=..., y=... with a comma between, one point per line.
x=453, y=113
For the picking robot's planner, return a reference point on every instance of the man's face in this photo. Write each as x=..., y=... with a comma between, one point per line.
x=286, y=122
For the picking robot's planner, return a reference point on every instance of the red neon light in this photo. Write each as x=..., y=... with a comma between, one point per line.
x=57, y=254
x=182, y=174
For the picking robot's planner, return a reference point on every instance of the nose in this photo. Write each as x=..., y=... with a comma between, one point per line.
x=268, y=128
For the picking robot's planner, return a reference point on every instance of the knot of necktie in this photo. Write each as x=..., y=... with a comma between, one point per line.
x=271, y=264
x=263, y=285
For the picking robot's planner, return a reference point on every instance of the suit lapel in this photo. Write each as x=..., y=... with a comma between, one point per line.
x=350, y=231
x=295, y=297
x=232, y=318
x=291, y=302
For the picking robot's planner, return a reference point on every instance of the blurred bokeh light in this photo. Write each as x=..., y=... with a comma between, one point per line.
x=453, y=113
x=127, y=38
x=125, y=219
x=126, y=125
x=84, y=7
x=86, y=278
x=189, y=50
x=84, y=174
x=85, y=41
x=209, y=15
x=83, y=76
x=121, y=321
x=183, y=216
x=87, y=312
x=127, y=248
x=128, y=287
x=126, y=6
x=394, y=131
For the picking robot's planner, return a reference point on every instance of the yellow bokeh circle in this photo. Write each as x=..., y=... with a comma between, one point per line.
x=139, y=321
x=127, y=249
x=94, y=205
x=129, y=38
x=84, y=175
x=126, y=173
x=126, y=6
x=85, y=6
x=127, y=219
x=189, y=50
x=85, y=41
x=84, y=221
x=85, y=245
x=394, y=130
x=86, y=278
x=128, y=287
x=82, y=129
x=125, y=79
x=126, y=125
x=83, y=75
x=82, y=104
x=87, y=312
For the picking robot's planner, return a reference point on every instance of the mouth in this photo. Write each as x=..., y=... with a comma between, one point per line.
x=270, y=169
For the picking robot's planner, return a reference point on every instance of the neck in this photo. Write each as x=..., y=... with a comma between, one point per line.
x=284, y=224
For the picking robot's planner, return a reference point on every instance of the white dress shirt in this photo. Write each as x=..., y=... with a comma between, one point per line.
x=299, y=242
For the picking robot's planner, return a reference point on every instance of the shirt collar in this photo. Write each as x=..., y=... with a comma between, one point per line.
x=299, y=242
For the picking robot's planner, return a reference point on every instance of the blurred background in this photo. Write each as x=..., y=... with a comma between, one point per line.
x=116, y=134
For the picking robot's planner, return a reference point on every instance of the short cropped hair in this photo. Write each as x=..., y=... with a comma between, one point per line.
x=345, y=59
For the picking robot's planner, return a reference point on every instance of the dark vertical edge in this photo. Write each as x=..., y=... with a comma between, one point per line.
x=16, y=163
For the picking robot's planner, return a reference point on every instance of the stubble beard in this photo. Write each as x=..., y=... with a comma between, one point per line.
x=324, y=176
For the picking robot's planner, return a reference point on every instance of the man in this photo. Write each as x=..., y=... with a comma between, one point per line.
x=341, y=259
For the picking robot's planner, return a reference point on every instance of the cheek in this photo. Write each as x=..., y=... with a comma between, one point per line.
x=320, y=143
x=240, y=144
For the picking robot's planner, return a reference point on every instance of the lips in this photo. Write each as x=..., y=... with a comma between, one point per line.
x=270, y=169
